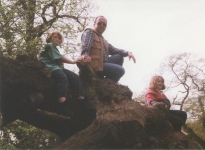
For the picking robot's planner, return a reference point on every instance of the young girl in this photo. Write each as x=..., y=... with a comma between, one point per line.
x=64, y=79
x=154, y=96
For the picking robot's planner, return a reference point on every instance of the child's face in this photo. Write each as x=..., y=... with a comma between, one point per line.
x=56, y=39
x=159, y=84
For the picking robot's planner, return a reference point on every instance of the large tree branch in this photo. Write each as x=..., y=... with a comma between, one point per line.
x=119, y=122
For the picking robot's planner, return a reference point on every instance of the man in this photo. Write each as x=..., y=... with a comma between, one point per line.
x=96, y=51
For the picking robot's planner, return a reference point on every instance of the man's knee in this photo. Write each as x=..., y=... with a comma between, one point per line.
x=116, y=59
x=123, y=71
x=121, y=60
x=119, y=73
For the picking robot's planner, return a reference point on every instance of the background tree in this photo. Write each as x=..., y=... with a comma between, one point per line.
x=24, y=22
x=185, y=76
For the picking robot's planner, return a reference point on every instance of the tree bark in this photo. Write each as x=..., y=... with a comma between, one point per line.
x=116, y=122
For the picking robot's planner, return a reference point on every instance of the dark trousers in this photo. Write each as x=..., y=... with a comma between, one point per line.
x=177, y=118
x=113, y=68
x=66, y=80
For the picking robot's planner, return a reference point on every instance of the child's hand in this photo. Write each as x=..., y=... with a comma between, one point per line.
x=86, y=58
x=78, y=59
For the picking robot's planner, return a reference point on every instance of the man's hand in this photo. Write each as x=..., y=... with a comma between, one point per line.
x=130, y=55
x=86, y=58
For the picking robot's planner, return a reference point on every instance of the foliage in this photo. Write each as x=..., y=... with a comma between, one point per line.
x=184, y=74
x=20, y=135
x=198, y=128
x=140, y=98
x=24, y=23
x=193, y=108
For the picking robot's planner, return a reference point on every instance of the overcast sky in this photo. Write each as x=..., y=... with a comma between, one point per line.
x=152, y=29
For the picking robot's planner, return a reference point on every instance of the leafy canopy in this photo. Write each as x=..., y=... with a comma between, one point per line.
x=24, y=23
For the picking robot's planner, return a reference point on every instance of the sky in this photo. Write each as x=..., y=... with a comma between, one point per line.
x=152, y=30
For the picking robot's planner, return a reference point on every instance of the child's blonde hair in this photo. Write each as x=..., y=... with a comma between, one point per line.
x=50, y=34
x=153, y=82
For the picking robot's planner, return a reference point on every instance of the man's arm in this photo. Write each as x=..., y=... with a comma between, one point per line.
x=113, y=50
x=131, y=56
x=86, y=41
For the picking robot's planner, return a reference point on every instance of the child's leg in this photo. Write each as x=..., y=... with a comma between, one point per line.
x=61, y=84
x=83, y=106
x=74, y=83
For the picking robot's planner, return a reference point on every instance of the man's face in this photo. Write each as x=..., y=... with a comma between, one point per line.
x=100, y=25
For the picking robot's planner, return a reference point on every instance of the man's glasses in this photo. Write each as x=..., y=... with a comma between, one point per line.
x=102, y=24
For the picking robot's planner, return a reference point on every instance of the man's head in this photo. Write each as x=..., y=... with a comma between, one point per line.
x=100, y=24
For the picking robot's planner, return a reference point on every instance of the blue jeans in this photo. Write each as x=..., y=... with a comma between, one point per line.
x=113, y=68
x=66, y=80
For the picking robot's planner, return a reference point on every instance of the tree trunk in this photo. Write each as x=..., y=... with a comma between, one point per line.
x=116, y=122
